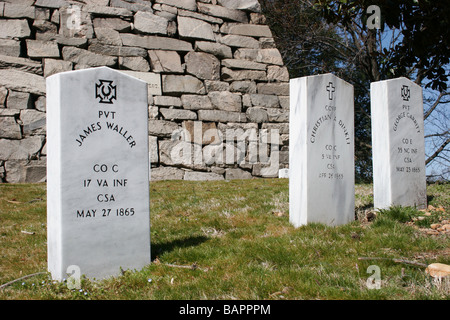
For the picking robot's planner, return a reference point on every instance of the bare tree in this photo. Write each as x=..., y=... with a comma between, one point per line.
x=344, y=45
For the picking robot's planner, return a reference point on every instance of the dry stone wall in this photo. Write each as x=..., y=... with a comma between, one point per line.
x=218, y=66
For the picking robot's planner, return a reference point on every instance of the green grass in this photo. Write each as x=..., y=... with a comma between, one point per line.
x=238, y=237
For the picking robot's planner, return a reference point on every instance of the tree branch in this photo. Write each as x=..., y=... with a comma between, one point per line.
x=435, y=104
x=436, y=153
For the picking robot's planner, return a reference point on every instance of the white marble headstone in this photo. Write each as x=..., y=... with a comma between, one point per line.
x=398, y=146
x=97, y=173
x=321, y=151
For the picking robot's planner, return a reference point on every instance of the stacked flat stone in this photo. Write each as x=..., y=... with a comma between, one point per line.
x=217, y=61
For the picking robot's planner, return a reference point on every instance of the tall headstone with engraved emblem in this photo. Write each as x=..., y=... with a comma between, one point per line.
x=97, y=173
x=398, y=144
x=321, y=151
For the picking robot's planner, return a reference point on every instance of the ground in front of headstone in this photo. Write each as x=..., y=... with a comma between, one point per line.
x=225, y=240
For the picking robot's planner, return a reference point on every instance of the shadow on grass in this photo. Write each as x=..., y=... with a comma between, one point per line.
x=159, y=249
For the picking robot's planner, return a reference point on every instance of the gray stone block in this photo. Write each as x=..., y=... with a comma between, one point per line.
x=203, y=65
x=12, y=28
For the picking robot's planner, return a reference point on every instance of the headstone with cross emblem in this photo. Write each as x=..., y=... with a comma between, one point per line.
x=398, y=144
x=97, y=173
x=321, y=151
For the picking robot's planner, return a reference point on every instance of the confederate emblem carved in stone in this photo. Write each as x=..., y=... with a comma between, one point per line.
x=105, y=91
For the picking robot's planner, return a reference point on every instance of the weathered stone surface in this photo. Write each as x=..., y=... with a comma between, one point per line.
x=200, y=16
x=243, y=64
x=108, y=36
x=181, y=153
x=243, y=86
x=62, y=40
x=108, y=11
x=53, y=66
x=281, y=127
x=44, y=28
x=174, y=84
x=19, y=100
x=222, y=12
x=284, y=101
x=212, y=85
x=10, y=47
x=278, y=115
x=248, y=5
x=266, y=171
x=203, y=65
x=239, y=41
x=177, y=114
x=154, y=42
x=273, y=88
x=20, y=149
x=183, y=4
x=21, y=64
x=41, y=103
x=153, y=81
x=75, y=23
x=234, y=75
x=134, y=63
x=3, y=95
x=25, y=171
x=42, y=49
x=9, y=128
x=217, y=49
x=153, y=153
x=161, y=128
x=202, y=176
x=147, y=22
x=33, y=122
x=270, y=56
x=207, y=86
x=20, y=10
x=267, y=43
x=165, y=61
x=225, y=100
x=264, y=100
x=22, y=81
x=105, y=49
x=257, y=18
x=167, y=101
x=153, y=112
x=132, y=5
x=256, y=114
x=253, y=30
x=236, y=173
x=13, y=28
x=278, y=74
x=194, y=29
x=85, y=57
x=165, y=11
x=112, y=23
x=54, y=4
x=221, y=116
x=206, y=132
x=166, y=173
x=196, y=102
x=9, y=112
